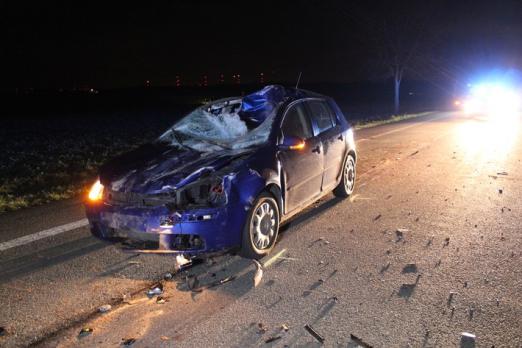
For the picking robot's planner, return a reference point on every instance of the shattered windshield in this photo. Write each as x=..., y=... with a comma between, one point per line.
x=216, y=126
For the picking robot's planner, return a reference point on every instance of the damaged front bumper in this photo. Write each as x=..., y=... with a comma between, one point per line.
x=163, y=231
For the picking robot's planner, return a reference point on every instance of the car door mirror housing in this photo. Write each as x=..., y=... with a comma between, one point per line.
x=292, y=143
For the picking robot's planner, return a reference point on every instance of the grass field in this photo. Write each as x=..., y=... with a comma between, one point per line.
x=49, y=159
x=46, y=159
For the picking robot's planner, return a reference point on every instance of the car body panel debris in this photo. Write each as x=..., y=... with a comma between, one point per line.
x=314, y=333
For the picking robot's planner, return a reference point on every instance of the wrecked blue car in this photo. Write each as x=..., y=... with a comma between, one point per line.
x=226, y=176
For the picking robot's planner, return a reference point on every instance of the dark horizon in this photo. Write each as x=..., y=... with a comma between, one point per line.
x=53, y=46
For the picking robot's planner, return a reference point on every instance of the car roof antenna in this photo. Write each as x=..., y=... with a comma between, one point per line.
x=298, y=80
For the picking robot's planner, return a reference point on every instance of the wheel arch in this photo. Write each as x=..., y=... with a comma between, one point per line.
x=275, y=191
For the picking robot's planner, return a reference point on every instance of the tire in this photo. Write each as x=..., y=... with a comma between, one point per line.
x=261, y=228
x=347, y=184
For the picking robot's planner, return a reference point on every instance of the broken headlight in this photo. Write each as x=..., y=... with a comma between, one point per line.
x=205, y=192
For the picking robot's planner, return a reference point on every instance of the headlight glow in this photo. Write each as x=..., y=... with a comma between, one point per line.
x=493, y=99
x=96, y=191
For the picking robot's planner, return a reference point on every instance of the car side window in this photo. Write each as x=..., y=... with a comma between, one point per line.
x=322, y=115
x=296, y=122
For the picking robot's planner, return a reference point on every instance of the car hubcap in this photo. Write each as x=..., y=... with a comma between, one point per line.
x=349, y=175
x=263, y=226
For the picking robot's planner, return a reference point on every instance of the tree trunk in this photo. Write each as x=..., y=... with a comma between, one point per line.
x=397, y=81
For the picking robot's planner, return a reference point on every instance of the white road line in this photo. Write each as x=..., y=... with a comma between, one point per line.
x=43, y=234
x=84, y=222
x=397, y=129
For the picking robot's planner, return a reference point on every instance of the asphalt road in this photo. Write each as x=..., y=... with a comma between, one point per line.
x=436, y=211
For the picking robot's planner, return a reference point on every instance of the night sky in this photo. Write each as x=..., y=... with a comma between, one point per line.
x=108, y=45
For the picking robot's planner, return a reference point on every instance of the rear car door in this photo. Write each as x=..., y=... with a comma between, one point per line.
x=327, y=129
x=302, y=169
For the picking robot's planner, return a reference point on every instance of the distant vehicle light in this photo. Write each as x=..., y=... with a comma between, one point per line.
x=96, y=192
x=457, y=102
x=493, y=99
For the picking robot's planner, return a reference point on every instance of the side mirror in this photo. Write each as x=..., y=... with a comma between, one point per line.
x=292, y=143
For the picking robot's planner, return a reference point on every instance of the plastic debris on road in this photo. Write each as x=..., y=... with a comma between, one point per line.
x=324, y=240
x=467, y=340
x=223, y=281
x=399, y=234
x=272, y=339
x=160, y=300
x=126, y=298
x=182, y=261
x=85, y=331
x=104, y=308
x=451, y=296
x=156, y=289
x=192, y=282
x=284, y=327
x=314, y=333
x=359, y=341
x=197, y=288
x=258, y=274
x=261, y=328
x=168, y=276
x=127, y=342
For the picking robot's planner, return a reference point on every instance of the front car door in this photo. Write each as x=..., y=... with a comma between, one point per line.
x=302, y=169
x=326, y=128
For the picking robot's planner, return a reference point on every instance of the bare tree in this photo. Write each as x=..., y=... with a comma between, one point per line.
x=396, y=35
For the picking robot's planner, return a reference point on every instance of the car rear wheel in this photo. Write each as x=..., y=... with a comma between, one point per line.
x=261, y=228
x=347, y=184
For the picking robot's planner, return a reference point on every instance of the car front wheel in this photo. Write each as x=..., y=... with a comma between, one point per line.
x=261, y=228
x=347, y=184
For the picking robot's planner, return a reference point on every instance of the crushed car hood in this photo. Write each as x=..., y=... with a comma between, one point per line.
x=159, y=167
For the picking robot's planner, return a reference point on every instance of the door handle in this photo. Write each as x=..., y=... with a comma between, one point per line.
x=317, y=149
